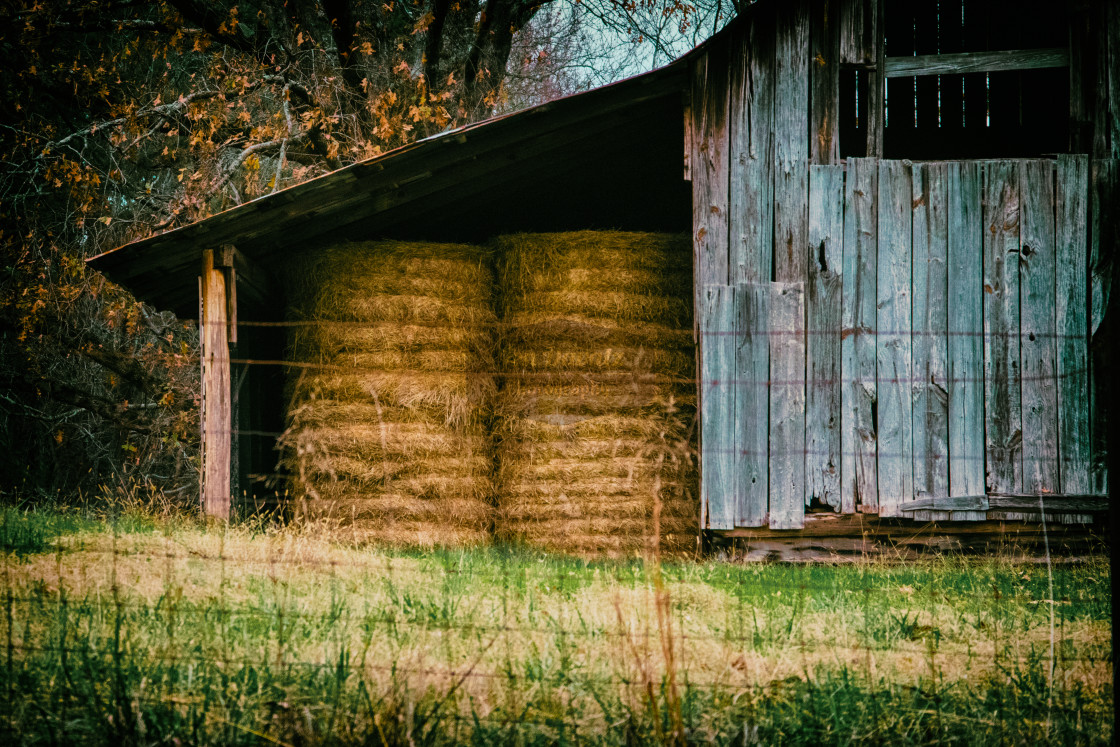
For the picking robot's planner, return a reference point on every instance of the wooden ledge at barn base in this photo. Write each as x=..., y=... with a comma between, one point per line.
x=831, y=537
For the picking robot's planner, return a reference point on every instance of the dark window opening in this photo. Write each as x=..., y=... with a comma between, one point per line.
x=1007, y=113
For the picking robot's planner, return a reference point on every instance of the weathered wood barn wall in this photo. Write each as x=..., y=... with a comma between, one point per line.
x=905, y=223
x=883, y=335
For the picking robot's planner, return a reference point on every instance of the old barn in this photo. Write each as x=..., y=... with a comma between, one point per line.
x=891, y=308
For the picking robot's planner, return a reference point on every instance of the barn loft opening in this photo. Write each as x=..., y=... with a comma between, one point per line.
x=1010, y=98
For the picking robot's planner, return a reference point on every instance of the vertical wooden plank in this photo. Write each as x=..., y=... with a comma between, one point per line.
x=1104, y=242
x=787, y=406
x=709, y=164
x=1003, y=416
x=752, y=375
x=1071, y=322
x=892, y=348
x=826, y=256
x=719, y=484
x=930, y=336
x=876, y=84
x=966, y=334
x=824, y=82
x=217, y=423
x=859, y=485
x=1081, y=66
x=791, y=141
x=858, y=32
x=1038, y=348
x=752, y=162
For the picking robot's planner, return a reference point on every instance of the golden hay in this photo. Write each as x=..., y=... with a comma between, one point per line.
x=461, y=397
x=606, y=360
x=534, y=327
x=391, y=386
x=594, y=412
x=377, y=337
x=674, y=312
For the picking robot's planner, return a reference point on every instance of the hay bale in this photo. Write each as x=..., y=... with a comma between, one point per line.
x=594, y=417
x=391, y=389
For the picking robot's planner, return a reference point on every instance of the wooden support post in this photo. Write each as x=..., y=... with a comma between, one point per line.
x=217, y=422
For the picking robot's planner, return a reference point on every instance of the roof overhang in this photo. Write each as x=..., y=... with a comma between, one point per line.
x=402, y=192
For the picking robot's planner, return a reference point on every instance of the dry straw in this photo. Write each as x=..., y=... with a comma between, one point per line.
x=387, y=438
x=594, y=418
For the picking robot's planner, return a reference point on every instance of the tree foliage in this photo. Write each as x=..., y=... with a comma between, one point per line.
x=120, y=118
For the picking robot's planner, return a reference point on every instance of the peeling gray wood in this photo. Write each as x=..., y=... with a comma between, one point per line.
x=859, y=32
x=930, y=335
x=826, y=256
x=1003, y=417
x=791, y=136
x=718, y=469
x=752, y=157
x=1038, y=348
x=976, y=62
x=709, y=165
x=892, y=349
x=858, y=482
x=945, y=504
x=752, y=375
x=1066, y=502
x=1071, y=322
x=787, y=406
x=966, y=332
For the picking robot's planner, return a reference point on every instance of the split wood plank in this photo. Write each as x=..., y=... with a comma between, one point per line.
x=1038, y=348
x=824, y=82
x=894, y=378
x=1072, y=323
x=1003, y=417
x=791, y=141
x=709, y=165
x=859, y=486
x=826, y=257
x=930, y=335
x=751, y=160
x=965, y=332
x=752, y=378
x=876, y=86
x=718, y=420
x=787, y=406
x=976, y=62
x=998, y=501
x=859, y=32
x=217, y=421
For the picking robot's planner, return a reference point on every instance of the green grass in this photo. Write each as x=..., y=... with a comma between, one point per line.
x=132, y=630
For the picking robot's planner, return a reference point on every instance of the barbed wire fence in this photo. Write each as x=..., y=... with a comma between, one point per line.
x=122, y=631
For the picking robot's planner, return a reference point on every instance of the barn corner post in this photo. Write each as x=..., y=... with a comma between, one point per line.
x=217, y=330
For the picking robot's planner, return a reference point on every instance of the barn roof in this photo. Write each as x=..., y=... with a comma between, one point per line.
x=610, y=157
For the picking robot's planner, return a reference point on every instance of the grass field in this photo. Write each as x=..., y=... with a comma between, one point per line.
x=127, y=629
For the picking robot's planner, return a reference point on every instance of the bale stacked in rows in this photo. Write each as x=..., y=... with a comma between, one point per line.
x=595, y=412
x=391, y=387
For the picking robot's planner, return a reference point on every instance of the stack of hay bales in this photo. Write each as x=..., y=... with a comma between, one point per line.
x=391, y=387
x=595, y=414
